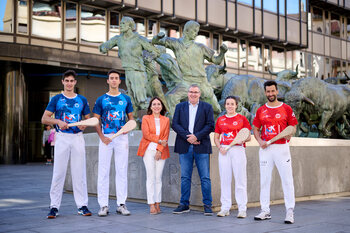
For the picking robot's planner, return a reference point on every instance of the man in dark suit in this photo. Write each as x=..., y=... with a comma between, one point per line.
x=193, y=122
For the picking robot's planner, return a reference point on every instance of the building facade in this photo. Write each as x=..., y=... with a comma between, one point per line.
x=39, y=40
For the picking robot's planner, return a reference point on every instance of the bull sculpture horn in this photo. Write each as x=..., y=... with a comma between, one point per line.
x=346, y=75
x=272, y=73
x=295, y=73
x=222, y=68
x=307, y=100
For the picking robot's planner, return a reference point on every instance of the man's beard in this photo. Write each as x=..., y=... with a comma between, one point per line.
x=271, y=98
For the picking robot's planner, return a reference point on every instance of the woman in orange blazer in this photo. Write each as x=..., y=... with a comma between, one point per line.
x=154, y=150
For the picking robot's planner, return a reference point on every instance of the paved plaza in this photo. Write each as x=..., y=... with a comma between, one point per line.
x=24, y=202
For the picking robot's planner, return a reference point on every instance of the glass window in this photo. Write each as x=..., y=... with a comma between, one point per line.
x=336, y=69
x=152, y=29
x=22, y=17
x=243, y=54
x=114, y=24
x=170, y=30
x=140, y=27
x=303, y=10
x=249, y=2
x=92, y=25
x=343, y=68
x=281, y=6
x=293, y=8
x=46, y=20
x=289, y=61
x=6, y=12
x=267, y=60
x=70, y=29
x=317, y=20
x=216, y=42
x=308, y=67
x=270, y=5
x=257, y=3
x=327, y=22
x=277, y=60
x=348, y=28
x=335, y=25
x=231, y=55
x=319, y=64
x=203, y=38
x=255, y=57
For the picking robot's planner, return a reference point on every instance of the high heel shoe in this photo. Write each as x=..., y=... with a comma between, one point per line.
x=157, y=205
x=152, y=209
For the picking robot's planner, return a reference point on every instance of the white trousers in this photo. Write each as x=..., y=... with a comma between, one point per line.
x=278, y=154
x=154, y=171
x=120, y=146
x=69, y=146
x=234, y=161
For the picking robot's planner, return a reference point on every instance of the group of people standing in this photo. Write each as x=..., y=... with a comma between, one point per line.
x=193, y=121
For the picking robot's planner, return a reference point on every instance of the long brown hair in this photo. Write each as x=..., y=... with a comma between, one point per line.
x=149, y=110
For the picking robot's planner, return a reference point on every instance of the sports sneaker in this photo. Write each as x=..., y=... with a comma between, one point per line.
x=289, y=217
x=242, y=214
x=123, y=210
x=53, y=213
x=263, y=216
x=181, y=209
x=103, y=211
x=207, y=210
x=84, y=211
x=223, y=213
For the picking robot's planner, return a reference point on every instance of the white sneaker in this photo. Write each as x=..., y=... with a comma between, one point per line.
x=103, y=211
x=263, y=216
x=242, y=214
x=223, y=213
x=289, y=217
x=123, y=210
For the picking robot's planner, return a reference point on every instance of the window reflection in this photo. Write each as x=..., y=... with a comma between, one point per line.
x=203, y=38
x=317, y=20
x=243, y=54
x=46, y=20
x=22, y=17
x=92, y=25
x=293, y=8
x=270, y=5
x=308, y=62
x=327, y=22
x=348, y=28
x=255, y=57
x=318, y=63
x=6, y=22
x=114, y=24
x=231, y=55
x=152, y=29
x=335, y=25
x=140, y=25
x=277, y=60
x=267, y=61
x=303, y=10
x=71, y=22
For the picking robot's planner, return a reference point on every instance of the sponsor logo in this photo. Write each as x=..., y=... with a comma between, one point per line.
x=271, y=129
x=120, y=102
x=235, y=123
x=76, y=105
x=278, y=115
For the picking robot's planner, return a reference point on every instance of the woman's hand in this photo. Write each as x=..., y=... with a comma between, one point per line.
x=158, y=155
x=222, y=150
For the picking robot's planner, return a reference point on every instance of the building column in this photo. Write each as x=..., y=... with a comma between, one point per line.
x=13, y=114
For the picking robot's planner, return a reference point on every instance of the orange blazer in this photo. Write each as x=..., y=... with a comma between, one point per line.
x=149, y=135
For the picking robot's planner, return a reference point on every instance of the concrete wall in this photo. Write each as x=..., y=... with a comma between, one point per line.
x=320, y=166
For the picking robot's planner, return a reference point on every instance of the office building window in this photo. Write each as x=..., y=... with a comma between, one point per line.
x=343, y=68
x=255, y=60
x=303, y=10
x=335, y=25
x=248, y=2
x=46, y=19
x=6, y=13
x=152, y=29
x=267, y=60
x=243, y=54
x=216, y=45
x=114, y=24
x=293, y=8
x=257, y=3
x=348, y=28
x=278, y=61
x=231, y=55
x=70, y=28
x=170, y=30
x=308, y=65
x=270, y=5
x=22, y=17
x=317, y=20
x=140, y=27
x=289, y=61
x=336, y=69
x=319, y=63
x=203, y=38
x=92, y=25
x=327, y=22
x=281, y=7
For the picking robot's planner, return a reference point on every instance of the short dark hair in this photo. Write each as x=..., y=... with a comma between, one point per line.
x=113, y=71
x=236, y=98
x=69, y=73
x=149, y=110
x=270, y=83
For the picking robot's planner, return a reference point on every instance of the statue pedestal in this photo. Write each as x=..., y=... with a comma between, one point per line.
x=320, y=167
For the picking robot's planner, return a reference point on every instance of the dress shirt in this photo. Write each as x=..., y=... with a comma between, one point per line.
x=192, y=110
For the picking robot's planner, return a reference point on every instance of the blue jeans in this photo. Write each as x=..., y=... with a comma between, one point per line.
x=202, y=163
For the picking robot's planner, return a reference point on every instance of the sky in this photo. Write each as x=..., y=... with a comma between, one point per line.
x=2, y=12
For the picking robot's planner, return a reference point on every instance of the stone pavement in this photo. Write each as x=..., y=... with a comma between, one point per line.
x=24, y=201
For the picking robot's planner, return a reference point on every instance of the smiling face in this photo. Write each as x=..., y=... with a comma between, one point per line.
x=193, y=95
x=69, y=83
x=156, y=106
x=271, y=93
x=113, y=80
x=230, y=106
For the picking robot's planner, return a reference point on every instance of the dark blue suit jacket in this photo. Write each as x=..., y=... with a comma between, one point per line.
x=203, y=126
